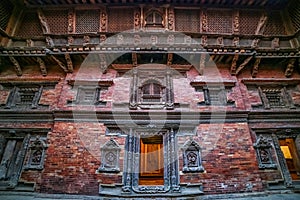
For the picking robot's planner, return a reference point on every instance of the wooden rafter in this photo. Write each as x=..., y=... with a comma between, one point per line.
x=62, y=65
x=243, y=65
x=16, y=65
x=255, y=67
x=233, y=64
x=69, y=62
x=42, y=66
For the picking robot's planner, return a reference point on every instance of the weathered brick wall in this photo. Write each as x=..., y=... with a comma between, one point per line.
x=229, y=159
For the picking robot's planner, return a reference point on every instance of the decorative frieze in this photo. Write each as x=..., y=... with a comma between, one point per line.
x=36, y=153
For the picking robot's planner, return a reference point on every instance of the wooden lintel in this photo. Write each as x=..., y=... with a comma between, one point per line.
x=42, y=66
x=243, y=65
x=233, y=64
x=170, y=59
x=62, y=65
x=69, y=63
x=255, y=67
x=16, y=65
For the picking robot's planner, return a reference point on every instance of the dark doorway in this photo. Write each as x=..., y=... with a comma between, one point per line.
x=291, y=156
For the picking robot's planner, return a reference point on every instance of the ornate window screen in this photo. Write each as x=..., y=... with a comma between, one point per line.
x=263, y=149
x=274, y=97
x=88, y=95
x=24, y=96
x=187, y=20
x=192, y=157
x=87, y=21
x=37, y=148
x=110, y=154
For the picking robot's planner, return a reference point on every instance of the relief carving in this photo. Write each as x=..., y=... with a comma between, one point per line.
x=236, y=23
x=43, y=22
x=70, y=21
x=171, y=19
x=204, y=21
x=137, y=20
x=103, y=21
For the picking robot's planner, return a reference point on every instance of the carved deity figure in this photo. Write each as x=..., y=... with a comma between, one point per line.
x=103, y=21
x=204, y=22
x=236, y=24
x=290, y=67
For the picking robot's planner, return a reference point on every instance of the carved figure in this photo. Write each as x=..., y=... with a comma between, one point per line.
x=43, y=22
x=290, y=68
x=261, y=24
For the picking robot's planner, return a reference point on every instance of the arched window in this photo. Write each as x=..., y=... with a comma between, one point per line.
x=154, y=19
x=151, y=92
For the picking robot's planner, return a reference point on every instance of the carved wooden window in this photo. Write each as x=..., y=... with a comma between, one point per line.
x=154, y=19
x=152, y=89
x=36, y=154
x=110, y=154
x=274, y=97
x=151, y=92
x=87, y=21
x=24, y=96
x=215, y=96
x=87, y=95
x=263, y=149
x=192, y=157
x=187, y=20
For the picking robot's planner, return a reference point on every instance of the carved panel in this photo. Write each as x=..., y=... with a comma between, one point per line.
x=248, y=21
x=30, y=25
x=192, y=161
x=12, y=158
x=110, y=155
x=219, y=21
x=263, y=149
x=36, y=153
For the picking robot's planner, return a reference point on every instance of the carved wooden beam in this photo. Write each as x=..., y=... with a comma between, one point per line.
x=170, y=59
x=42, y=66
x=16, y=65
x=255, y=67
x=134, y=59
x=233, y=64
x=69, y=62
x=62, y=65
x=243, y=65
x=43, y=21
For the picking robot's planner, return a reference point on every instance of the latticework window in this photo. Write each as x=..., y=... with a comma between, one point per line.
x=30, y=26
x=120, y=19
x=274, y=97
x=87, y=21
x=294, y=12
x=151, y=92
x=219, y=21
x=6, y=8
x=57, y=20
x=249, y=21
x=187, y=20
x=274, y=24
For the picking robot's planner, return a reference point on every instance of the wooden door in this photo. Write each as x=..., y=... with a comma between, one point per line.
x=291, y=156
x=151, y=161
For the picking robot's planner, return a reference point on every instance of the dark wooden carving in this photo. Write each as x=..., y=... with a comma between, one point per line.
x=43, y=21
x=263, y=149
x=290, y=67
x=16, y=65
x=192, y=161
x=110, y=155
x=36, y=153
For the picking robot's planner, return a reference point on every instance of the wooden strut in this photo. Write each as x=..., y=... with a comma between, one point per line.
x=233, y=64
x=42, y=66
x=16, y=65
x=62, y=65
x=242, y=66
x=70, y=67
x=255, y=67
x=170, y=59
x=134, y=59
